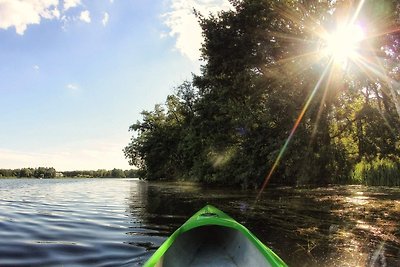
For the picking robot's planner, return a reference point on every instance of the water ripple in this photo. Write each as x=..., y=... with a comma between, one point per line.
x=71, y=223
x=117, y=222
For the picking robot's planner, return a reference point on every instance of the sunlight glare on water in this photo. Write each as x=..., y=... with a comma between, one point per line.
x=118, y=222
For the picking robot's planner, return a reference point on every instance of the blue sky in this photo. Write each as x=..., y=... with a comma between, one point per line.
x=75, y=74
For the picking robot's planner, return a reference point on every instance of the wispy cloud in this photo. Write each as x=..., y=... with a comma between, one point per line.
x=183, y=24
x=71, y=4
x=83, y=155
x=105, y=19
x=20, y=14
x=18, y=159
x=36, y=67
x=85, y=16
x=72, y=86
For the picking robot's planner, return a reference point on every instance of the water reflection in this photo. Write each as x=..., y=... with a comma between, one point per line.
x=66, y=223
x=117, y=222
x=339, y=226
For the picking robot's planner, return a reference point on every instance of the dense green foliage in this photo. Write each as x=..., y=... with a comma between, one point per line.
x=229, y=123
x=114, y=173
x=43, y=172
x=379, y=171
x=40, y=172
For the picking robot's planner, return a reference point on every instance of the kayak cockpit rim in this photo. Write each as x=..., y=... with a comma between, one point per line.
x=225, y=230
x=212, y=245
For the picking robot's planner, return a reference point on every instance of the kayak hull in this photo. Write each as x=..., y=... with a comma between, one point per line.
x=212, y=238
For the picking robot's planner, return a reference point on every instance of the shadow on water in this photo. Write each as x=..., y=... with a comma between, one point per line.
x=121, y=222
x=336, y=226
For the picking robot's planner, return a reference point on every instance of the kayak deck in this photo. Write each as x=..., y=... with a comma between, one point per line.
x=212, y=256
x=211, y=238
x=212, y=245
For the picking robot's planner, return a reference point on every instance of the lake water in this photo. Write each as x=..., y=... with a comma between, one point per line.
x=120, y=222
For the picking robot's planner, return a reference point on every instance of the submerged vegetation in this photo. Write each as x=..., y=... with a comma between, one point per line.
x=304, y=90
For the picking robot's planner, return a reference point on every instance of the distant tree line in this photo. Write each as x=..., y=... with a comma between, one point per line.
x=42, y=172
x=229, y=124
x=114, y=173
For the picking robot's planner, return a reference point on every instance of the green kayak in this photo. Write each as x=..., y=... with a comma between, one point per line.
x=212, y=238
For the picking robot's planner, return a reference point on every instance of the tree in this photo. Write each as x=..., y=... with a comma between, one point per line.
x=117, y=173
x=267, y=81
x=26, y=172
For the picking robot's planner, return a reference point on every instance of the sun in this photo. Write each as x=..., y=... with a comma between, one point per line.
x=344, y=43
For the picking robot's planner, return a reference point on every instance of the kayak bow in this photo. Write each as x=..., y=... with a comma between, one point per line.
x=212, y=238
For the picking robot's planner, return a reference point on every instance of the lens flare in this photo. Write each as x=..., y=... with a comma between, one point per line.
x=303, y=111
x=344, y=43
x=350, y=42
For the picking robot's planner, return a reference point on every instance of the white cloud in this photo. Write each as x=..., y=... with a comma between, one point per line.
x=20, y=14
x=56, y=13
x=72, y=86
x=184, y=26
x=71, y=3
x=105, y=19
x=85, y=16
x=36, y=67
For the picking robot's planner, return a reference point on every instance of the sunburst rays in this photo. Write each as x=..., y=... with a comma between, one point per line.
x=360, y=55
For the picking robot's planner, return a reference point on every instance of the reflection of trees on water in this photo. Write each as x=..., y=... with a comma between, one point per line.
x=307, y=227
x=353, y=225
x=163, y=206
